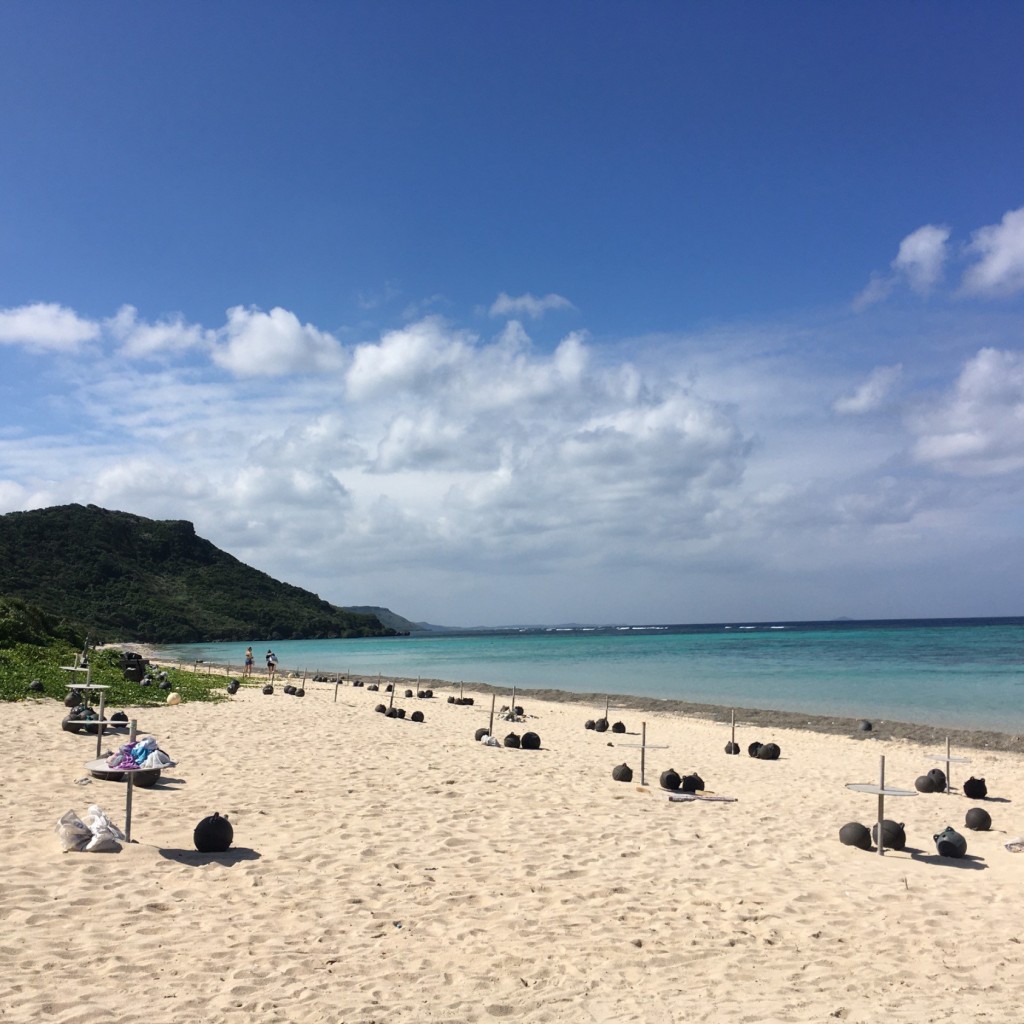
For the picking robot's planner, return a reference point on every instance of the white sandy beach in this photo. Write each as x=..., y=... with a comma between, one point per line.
x=384, y=870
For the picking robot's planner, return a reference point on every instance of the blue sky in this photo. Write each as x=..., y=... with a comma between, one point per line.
x=498, y=313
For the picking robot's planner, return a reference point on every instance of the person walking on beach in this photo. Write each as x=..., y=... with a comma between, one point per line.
x=271, y=664
x=247, y=671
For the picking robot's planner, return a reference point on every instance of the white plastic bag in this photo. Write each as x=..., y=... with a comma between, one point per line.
x=73, y=832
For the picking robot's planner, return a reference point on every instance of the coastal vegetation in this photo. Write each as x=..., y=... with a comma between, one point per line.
x=117, y=576
x=34, y=647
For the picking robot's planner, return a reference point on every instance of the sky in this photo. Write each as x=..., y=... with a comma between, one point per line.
x=492, y=313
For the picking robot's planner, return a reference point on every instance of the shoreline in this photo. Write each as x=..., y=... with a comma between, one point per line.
x=764, y=718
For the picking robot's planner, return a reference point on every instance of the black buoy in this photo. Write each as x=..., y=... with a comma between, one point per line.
x=601, y=725
x=73, y=699
x=69, y=724
x=622, y=773
x=589, y=724
x=391, y=713
x=938, y=776
x=864, y=725
x=670, y=780
x=518, y=709
x=893, y=835
x=530, y=741
x=36, y=686
x=512, y=740
x=950, y=843
x=234, y=686
x=213, y=834
x=924, y=784
x=289, y=690
x=381, y=708
x=618, y=727
x=753, y=748
x=408, y=693
x=978, y=819
x=481, y=733
x=373, y=687
x=268, y=689
x=975, y=789
x=855, y=834
x=164, y=684
x=769, y=752
x=428, y=693
x=451, y=700
x=692, y=783
x=300, y=692
x=119, y=716
x=732, y=748
x=400, y=712
x=388, y=688
x=416, y=716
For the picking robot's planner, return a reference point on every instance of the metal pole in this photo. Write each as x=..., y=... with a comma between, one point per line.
x=881, y=804
x=643, y=752
x=490, y=724
x=734, y=726
x=99, y=726
x=131, y=788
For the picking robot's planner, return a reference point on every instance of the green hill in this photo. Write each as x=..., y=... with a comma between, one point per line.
x=117, y=576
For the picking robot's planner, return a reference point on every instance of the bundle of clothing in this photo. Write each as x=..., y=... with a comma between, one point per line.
x=143, y=753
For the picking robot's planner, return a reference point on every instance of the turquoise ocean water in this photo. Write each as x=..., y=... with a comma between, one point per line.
x=964, y=673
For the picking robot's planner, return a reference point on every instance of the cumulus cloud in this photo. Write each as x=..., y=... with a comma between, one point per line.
x=999, y=248
x=921, y=256
x=254, y=344
x=918, y=263
x=978, y=428
x=46, y=326
x=872, y=394
x=141, y=340
x=528, y=305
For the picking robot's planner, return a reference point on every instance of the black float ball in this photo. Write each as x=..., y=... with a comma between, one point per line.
x=589, y=724
x=481, y=733
x=518, y=709
x=864, y=725
x=164, y=684
x=949, y=843
x=145, y=681
x=400, y=712
x=408, y=693
x=618, y=727
x=300, y=692
x=622, y=773
x=268, y=689
x=732, y=748
x=692, y=783
x=416, y=716
x=975, y=789
x=601, y=725
x=924, y=784
x=978, y=819
x=36, y=686
x=69, y=724
x=530, y=741
x=451, y=700
x=428, y=693
x=753, y=748
x=381, y=708
x=388, y=688
x=512, y=740
x=670, y=780
x=119, y=716
x=391, y=713
x=938, y=776
x=893, y=835
x=73, y=699
x=373, y=687
x=468, y=701
x=855, y=834
x=234, y=686
x=289, y=690
x=357, y=682
x=769, y=752
x=213, y=834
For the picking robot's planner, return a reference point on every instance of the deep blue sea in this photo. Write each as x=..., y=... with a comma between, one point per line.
x=962, y=673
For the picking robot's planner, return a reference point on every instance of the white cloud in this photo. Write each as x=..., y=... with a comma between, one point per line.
x=528, y=305
x=46, y=326
x=999, y=270
x=921, y=257
x=978, y=428
x=274, y=344
x=142, y=340
x=872, y=394
x=918, y=263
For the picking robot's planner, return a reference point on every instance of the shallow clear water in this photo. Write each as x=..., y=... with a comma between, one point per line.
x=960, y=673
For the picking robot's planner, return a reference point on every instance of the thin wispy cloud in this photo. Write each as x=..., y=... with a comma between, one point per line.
x=528, y=305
